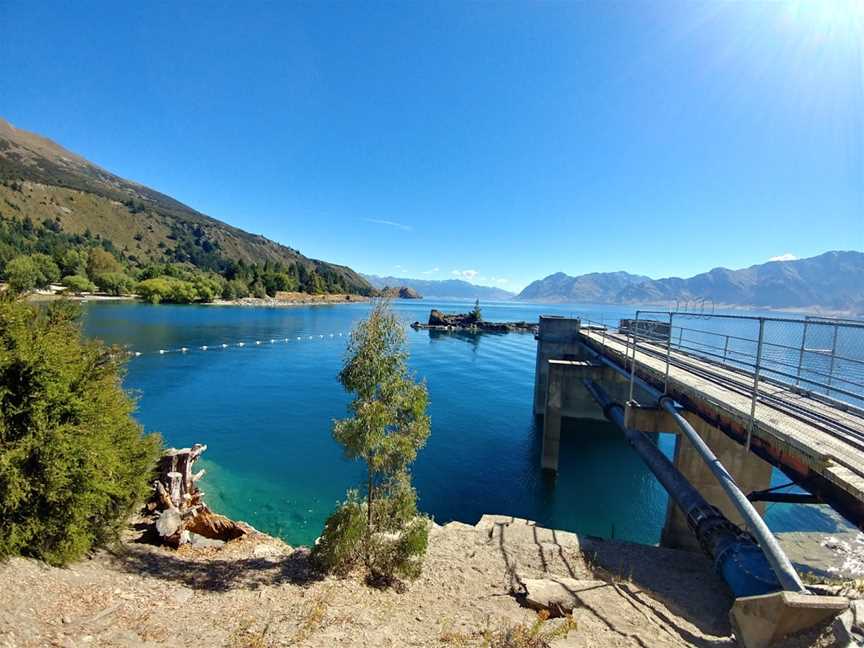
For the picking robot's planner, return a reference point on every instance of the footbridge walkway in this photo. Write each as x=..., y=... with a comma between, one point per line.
x=787, y=392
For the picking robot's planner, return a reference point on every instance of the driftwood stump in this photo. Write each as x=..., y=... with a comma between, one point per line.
x=179, y=502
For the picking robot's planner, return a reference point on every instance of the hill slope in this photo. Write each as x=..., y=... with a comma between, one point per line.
x=441, y=289
x=833, y=280
x=41, y=180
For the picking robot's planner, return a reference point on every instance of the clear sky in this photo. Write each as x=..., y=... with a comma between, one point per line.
x=501, y=141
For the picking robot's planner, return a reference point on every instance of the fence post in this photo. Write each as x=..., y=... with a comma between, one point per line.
x=801, y=352
x=725, y=348
x=833, y=357
x=633, y=361
x=668, y=353
x=755, y=382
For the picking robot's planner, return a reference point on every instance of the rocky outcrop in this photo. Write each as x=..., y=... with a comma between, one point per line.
x=441, y=321
x=402, y=292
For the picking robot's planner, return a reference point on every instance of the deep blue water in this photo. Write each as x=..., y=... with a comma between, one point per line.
x=265, y=412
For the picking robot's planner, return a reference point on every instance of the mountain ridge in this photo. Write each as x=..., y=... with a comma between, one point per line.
x=40, y=179
x=441, y=288
x=833, y=280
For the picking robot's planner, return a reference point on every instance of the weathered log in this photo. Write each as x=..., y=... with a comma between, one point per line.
x=177, y=496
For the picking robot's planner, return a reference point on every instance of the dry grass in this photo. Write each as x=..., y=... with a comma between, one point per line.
x=521, y=635
x=312, y=617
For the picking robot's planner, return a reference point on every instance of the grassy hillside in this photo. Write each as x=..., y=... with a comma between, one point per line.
x=53, y=187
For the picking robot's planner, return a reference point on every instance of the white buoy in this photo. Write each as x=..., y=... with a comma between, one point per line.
x=183, y=349
x=204, y=348
x=161, y=351
x=298, y=338
x=257, y=341
x=272, y=341
x=321, y=336
x=286, y=339
x=137, y=353
x=224, y=346
x=241, y=344
x=310, y=337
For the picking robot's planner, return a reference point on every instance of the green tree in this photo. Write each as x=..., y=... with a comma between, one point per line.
x=387, y=427
x=73, y=461
x=23, y=274
x=73, y=262
x=100, y=261
x=115, y=283
x=476, y=313
x=48, y=271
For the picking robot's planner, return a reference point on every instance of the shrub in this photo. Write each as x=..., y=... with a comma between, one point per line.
x=78, y=284
x=73, y=461
x=340, y=546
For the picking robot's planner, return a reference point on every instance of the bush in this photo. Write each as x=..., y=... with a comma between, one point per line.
x=115, y=283
x=73, y=461
x=340, y=546
x=78, y=284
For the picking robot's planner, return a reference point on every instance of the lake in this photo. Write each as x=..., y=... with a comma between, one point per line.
x=265, y=410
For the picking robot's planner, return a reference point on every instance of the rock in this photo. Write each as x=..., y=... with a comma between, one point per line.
x=197, y=540
x=437, y=318
x=267, y=551
x=402, y=292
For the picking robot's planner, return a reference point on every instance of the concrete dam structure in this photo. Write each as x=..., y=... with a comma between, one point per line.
x=742, y=395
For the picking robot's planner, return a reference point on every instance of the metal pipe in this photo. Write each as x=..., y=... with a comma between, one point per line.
x=784, y=570
x=737, y=558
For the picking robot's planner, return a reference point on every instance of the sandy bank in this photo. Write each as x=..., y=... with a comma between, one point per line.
x=257, y=591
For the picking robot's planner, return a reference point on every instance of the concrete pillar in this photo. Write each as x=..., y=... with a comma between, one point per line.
x=558, y=338
x=749, y=472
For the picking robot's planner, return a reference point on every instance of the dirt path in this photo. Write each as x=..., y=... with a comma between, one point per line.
x=258, y=592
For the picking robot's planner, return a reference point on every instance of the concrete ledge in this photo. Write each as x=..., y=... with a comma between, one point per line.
x=759, y=621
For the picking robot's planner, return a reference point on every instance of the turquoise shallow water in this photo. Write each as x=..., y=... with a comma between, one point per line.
x=265, y=412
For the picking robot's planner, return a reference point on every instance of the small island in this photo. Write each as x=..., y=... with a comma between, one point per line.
x=400, y=292
x=473, y=322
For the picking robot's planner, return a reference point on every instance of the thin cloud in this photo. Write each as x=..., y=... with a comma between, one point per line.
x=378, y=221
x=432, y=271
x=784, y=257
x=465, y=274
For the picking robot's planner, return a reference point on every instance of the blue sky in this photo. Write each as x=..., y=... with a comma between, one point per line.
x=500, y=142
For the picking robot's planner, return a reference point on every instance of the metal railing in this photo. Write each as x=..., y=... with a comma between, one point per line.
x=819, y=357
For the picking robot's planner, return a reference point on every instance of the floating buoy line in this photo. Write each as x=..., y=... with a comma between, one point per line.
x=225, y=346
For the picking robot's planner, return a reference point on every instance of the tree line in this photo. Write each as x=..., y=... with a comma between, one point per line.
x=34, y=256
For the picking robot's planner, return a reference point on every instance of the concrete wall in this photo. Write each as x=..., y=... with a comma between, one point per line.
x=558, y=339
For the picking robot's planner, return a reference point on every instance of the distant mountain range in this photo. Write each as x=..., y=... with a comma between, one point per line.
x=441, y=289
x=44, y=182
x=830, y=281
